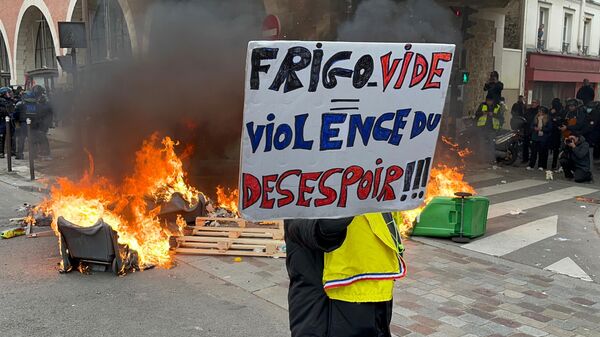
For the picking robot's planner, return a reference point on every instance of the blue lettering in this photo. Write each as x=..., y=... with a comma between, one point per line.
x=432, y=121
x=364, y=128
x=379, y=132
x=327, y=132
x=285, y=131
x=399, y=124
x=419, y=124
x=255, y=137
x=299, y=142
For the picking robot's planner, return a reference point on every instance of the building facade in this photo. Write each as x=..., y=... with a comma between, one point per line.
x=562, y=43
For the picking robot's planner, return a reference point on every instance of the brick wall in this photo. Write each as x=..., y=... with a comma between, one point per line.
x=480, y=62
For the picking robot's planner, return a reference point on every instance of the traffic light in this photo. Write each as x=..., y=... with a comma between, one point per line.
x=465, y=77
x=467, y=22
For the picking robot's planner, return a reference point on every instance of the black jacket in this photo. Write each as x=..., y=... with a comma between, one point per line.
x=306, y=243
x=580, y=116
x=518, y=109
x=580, y=155
x=494, y=89
x=586, y=94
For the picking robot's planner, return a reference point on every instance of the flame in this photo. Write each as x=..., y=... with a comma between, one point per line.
x=444, y=182
x=158, y=174
x=228, y=200
x=456, y=148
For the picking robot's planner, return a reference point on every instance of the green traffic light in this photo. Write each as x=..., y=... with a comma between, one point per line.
x=465, y=77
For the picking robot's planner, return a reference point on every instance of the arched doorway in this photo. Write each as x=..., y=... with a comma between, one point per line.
x=36, y=53
x=110, y=39
x=4, y=63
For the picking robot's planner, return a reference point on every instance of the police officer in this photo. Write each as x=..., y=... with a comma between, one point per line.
x=34, y=105
x=7, y=109
x=490, y=118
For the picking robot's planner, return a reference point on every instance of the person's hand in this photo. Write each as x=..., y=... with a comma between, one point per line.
x=562, y=128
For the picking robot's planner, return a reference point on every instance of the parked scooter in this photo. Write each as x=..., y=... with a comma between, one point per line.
x=510, y=142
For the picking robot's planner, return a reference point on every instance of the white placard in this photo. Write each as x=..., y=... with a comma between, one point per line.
x=336, y=129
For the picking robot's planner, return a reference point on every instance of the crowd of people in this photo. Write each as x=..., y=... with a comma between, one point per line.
x=20, y=106
x=570, y=132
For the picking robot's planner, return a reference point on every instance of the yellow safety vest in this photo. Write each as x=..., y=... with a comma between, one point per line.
x=364, y=267
x=495, y=120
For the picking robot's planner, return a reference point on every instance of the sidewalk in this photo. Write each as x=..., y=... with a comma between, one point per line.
x=450, y=294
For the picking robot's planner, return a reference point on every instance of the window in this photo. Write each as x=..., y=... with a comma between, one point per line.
x=44, y=47
x=4, y=65
x=566, y=35
x=587, y=30
x=542, y=28
x=110, y=37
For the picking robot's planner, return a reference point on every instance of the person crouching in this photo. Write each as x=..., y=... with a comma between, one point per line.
x=575, y=159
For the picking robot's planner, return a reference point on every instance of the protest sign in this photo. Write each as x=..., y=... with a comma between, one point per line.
x=336, y=129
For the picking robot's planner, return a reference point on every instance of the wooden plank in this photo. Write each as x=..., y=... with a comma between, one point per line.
x=219, y=239
x=214, y=245
x=201, y=220
x=196, y=251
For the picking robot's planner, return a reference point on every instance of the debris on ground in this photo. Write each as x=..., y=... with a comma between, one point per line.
x=13, y=232
x=517, y=212
x=588, y=200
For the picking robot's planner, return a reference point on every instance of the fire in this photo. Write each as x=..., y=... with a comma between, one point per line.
x=158, y=174
x=456, y=148
x=228, y=200
x=444, y=182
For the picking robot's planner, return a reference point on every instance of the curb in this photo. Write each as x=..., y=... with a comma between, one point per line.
x=508, y=263
x=597, y=220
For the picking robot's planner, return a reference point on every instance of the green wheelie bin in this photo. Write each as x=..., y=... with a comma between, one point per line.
x=461, y=218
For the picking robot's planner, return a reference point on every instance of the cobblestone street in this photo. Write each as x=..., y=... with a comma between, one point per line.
x=449, y=294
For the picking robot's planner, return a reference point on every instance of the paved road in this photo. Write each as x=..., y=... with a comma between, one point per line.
x=552, y=230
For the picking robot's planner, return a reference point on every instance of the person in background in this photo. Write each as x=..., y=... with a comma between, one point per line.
x=591, y=128
x=7, y=109
x=541, y=130
x=494, y=87
x=556, y=117
x=519, y=107
x=540, y=44
x=574, y=118
x=490, y=118
x=342, y=274
x=35, y=107
x=575, y=160
x=529, y=116
x=586, y=92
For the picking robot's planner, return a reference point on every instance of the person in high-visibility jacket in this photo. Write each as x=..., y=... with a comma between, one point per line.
x=489, y=119
x=342, y=274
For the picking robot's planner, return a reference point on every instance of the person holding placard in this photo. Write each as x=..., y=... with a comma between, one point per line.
x=342, y=274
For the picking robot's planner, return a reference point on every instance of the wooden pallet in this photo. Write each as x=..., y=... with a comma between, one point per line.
x=238, y=240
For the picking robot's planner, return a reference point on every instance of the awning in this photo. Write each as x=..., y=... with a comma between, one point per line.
x=562, y=68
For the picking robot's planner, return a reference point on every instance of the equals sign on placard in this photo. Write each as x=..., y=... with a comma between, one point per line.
x=347, y=104
x=416, y=175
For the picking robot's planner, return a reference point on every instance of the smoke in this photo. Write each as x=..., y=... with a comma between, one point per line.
x=188, y=84
x=401, y=21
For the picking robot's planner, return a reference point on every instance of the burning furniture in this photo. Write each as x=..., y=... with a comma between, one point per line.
x=96, y=245
x=461, y=217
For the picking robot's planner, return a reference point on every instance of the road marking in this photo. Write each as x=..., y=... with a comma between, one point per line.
x=532, y=201
x=481, y=177
x=568, y=267
x=515, y=238
x=510, y=187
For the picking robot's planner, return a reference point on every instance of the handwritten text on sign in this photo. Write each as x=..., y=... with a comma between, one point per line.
x=337, y=129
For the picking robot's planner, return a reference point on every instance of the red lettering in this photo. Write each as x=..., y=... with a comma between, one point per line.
x=266, y=202
x=329, y=193
x=251, y=190
x=350, y=176
x=435, y=71
x=289, y=196
x=392, y=174
x=365, y=185
x=386, y=71
x=405, y=63
x=419, y=70
x=303, y=188
x=377, y=181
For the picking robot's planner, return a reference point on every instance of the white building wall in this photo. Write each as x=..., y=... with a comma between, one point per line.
x=553, y=33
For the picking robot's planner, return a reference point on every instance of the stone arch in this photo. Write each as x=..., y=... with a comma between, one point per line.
x=74, y=14
x=7, y=49
x=25, y=37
